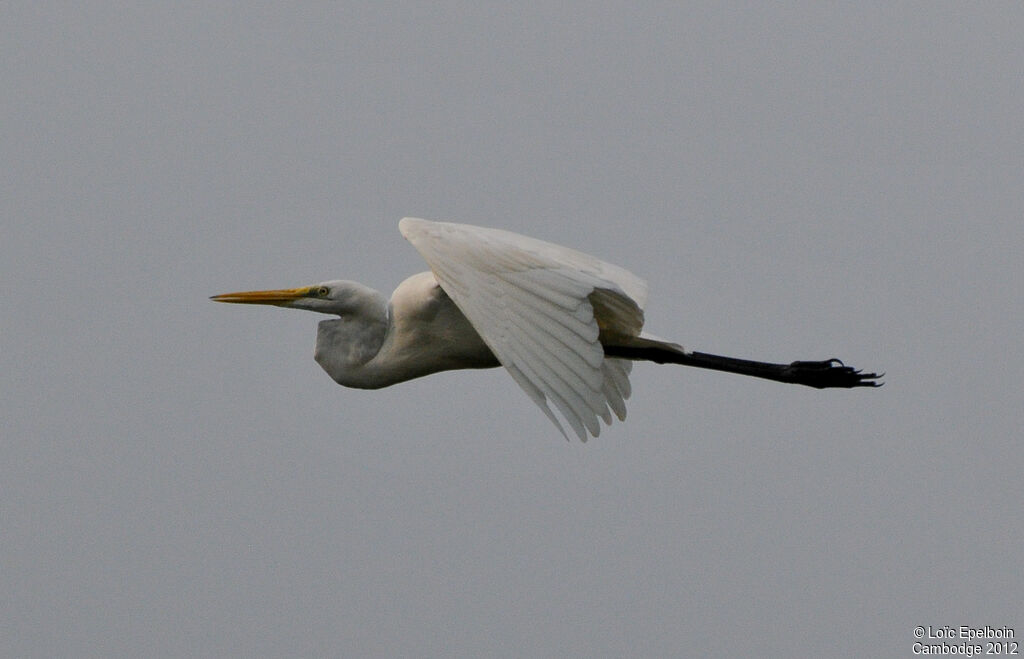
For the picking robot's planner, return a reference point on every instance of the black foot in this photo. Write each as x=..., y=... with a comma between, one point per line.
x=830, y=373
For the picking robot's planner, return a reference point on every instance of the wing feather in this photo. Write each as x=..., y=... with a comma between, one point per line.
x=548, y=347
x=571, y=321
x=541, y=309
x=616, y=384
x=564, y=389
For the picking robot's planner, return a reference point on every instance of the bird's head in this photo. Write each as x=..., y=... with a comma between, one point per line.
x=331, y=297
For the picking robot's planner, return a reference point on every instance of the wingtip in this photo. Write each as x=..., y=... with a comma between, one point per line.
x=407, y=224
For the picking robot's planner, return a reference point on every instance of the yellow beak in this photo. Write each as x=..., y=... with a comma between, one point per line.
x=278, y=296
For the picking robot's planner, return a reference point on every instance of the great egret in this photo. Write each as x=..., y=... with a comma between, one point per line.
x=565, y=325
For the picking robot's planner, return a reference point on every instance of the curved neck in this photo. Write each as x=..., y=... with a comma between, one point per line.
x=345, y=345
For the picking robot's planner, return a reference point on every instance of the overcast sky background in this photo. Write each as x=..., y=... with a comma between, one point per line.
x=795, y=181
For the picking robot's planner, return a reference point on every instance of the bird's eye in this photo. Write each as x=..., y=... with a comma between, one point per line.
x=322, y=291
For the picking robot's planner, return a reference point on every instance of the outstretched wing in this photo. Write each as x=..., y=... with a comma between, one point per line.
x=540, y=308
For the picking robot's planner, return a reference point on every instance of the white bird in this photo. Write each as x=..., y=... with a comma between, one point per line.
x=565, y=325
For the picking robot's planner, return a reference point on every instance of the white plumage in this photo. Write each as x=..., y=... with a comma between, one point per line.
x=530, y=301
x=564, y=324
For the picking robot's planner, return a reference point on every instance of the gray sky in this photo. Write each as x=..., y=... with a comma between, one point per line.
x=795, y=181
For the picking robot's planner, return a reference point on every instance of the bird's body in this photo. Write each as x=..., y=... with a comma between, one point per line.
x=565, y=325
x=418, y=332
